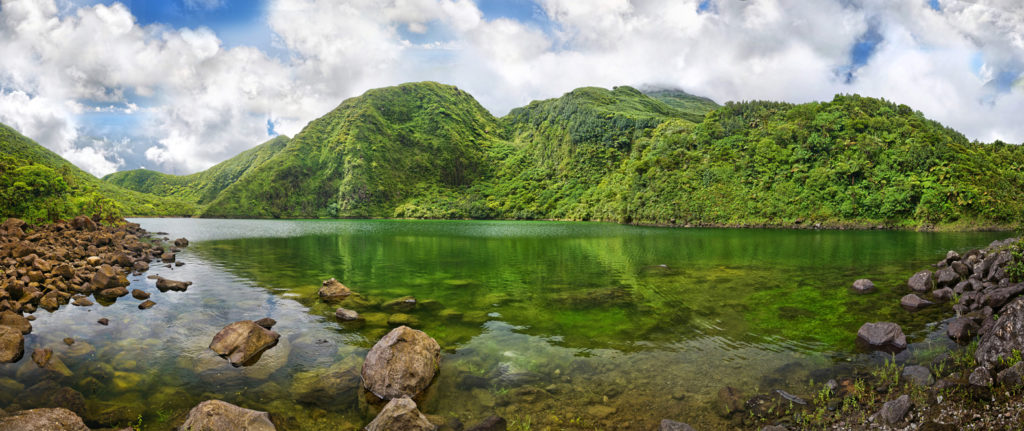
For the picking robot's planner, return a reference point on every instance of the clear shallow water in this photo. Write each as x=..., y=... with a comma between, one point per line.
x=561, y=325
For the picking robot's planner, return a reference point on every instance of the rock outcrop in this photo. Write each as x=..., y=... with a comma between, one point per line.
x=401, y=364
x=243, y=341
x=216, y=415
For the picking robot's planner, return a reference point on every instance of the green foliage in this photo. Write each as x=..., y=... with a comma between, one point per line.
x=37, y=185
x=1015, y=269
x=888, y=374
x=426, y=150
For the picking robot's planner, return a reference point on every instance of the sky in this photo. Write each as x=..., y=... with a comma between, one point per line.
x=180, y=85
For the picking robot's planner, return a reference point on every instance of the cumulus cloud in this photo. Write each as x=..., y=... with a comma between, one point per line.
x=195, y=101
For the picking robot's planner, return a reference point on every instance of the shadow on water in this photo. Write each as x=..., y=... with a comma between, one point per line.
x=565, y=325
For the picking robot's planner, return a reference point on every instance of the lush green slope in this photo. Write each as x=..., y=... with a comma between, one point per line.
x=428, y=150
x=369, y=155
x=692, y=107
x=202, y=187
x=38, y=185
x=853, y=160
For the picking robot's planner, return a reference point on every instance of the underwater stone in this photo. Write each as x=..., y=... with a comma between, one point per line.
x=863, y=286
x=12, y=344
x=216, y=415
x=400, y=414
x=58, y=419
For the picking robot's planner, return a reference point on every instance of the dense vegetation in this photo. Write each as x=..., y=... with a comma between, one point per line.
x=426, y=150
x=38, y=185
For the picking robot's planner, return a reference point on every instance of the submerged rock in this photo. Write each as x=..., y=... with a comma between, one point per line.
x=863, y=286
x=333, y=290
x=165, y=284
x=492, y=423
x=147, y=304
x=912, y=302
x=405, y=303
x=216, y=415
x=139, y=294
x=402, y=363
x=400, y=414
x=243, y=341
x=58, y=419
x=266, y=322
x=12, y=344
x=671, y=425
x=884, y=336
x=346, y=315
x=181, y=242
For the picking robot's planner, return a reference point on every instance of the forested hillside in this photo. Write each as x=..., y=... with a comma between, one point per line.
x=38, y=185
x=201, y=187
x=426, y=150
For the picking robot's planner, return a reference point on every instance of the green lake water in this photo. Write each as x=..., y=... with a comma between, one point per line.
x=550, y=325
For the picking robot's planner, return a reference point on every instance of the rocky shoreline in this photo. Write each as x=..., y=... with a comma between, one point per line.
x=977, y=385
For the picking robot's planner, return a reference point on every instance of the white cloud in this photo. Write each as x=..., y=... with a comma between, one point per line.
x=199, y=102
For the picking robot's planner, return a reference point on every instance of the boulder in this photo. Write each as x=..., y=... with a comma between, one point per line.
x=918, y=375
x=147, y=304
x=944, y=294
x=729, y=402
x=921, y=282
x=167, y=257
x=1012, y=377
x=884, y=336
x=140, y=266
x=42, y=356
x=57, y=419
x=333, y=290
x=996, y=298
x=981, y=377
x=106, y=277
x=346, y=315
x=139, y=294
x=894, y=411
x=243, y=341
x=962, y=329
x=402, y=363
x=946, y=277
x=266, y=322
x=400, y=414
x=165, y=284
x=216, y=415
x=112, y=293
x=64, y=271
x=952, y=256
x=863, y=286
x=671, y=425
x=181, y=242
x=83, y=223
x=912, y=302
x=16, y=321
x=12, y=344
x=1005, y=336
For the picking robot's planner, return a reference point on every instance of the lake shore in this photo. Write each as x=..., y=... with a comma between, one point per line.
x=868, y=401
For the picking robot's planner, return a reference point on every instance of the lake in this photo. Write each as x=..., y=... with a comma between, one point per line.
x=548, y=324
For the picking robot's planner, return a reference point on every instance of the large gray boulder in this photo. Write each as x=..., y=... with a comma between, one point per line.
x=1005, y=336
x=58, y=419
x=921, y=282
x=400, y=414
x=401, y=364
x=243, y=341
x=216, y=415
x=12, y=344
x=962, y=329
x=884, y=336
x=946, y=277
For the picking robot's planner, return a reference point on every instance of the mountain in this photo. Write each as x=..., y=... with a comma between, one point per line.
x=38, y=185
x=368, y=155
x=202, y=187
x=427, y=150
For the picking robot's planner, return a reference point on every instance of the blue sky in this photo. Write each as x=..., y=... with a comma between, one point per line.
x=179, y=85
